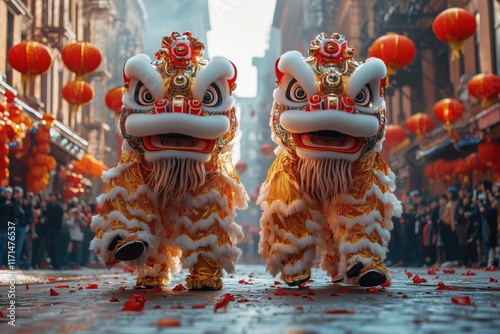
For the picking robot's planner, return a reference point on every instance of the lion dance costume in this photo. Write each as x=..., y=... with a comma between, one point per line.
x=328, y=189
x=170, y=200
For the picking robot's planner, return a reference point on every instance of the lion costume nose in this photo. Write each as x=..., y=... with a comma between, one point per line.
x=178, y=105
x=316, y=102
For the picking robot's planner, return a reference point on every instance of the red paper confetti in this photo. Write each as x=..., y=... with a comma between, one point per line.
x=405, y=296
x=80, y=288
x=179, y=287
x=277, y=283
x=280, y=292
x=27, y=287
x=92, y=286
x=493, y=304
x=175, y=307
x=114, y=299
x=339, y=311
x=243, y=300
x=428, y=292
x=449, y=271
x=461, y=300
x=135, y=303
x=371, y=289
x=61, y=287
x=389, y=294
x=431, y=271
x=386, y=284
x=442, y=286
x=199, y=306
x=417, y=279
x=311, y=293
x=169, y=322
x=156, y=306
x=223, y=303
x=71, y=291
x=54, y=292
x=52, y=279
x=493, y=280
x=157, y=288
x=297, y=293
x=410, y=275
x=469, y=273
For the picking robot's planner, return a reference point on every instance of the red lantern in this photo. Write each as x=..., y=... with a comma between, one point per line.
x=485, y=87
x=81, y=57
x=395, y=50
x=419, y=124
x=454, y=25
x=30, y=58
x=394, y=134
x=448, y=111
x=77, y=93
x=489, y=152
x=474, y=163
x=267, y=150
x=429, y=171
x=114, y=99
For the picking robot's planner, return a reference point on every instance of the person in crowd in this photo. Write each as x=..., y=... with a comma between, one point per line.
x=75, y=223
x=17, y=215
x=448, y=228
x=408, y=222
x=491, y=228
x=4, y=224
x=64, y=238
x=54, y=219
x=88, y=235
x=463, y=213
x=42, y=238
x=27, y=247
x=420, y=222
x=429, y=234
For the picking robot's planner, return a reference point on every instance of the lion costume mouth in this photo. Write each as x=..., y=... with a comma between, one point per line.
x=332, y=141
x=177, y=142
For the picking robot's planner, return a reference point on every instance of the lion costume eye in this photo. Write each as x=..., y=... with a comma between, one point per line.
x=142, y=95
x=295, y=92
x=213, y=96
x=364, y=97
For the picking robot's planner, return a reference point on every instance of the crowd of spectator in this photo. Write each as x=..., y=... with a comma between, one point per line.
x=458, y=228
x=43, y=231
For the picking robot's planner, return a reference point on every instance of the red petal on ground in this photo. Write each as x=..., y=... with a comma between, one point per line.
x=114, y=299
x=310, y=299
x=134, y=304
x=121, y=288
x=157, y=288
x=410, y=275
x=277, y=283
x=311, y=293
x=108, y=283
x=493, y=304
x=493, y=280
x=52, y=279
x=461, y=300
x=417, y=279
x=469, y=273
x=27, y=287
x=280, y=292
x=199, y=306
x=428, y=292
x=385, y=284
x=179, y=287
x=177, y=307
x=297, y=293
x=156, y=306
x=243, y=300
x=61, y=287
x=123, y=282
x=92, y=286
x=54, y=292
x=223, y=303
x=449, y=271
x=71, y=291
x=442, y=286
x=166, y=322
x=371, y=289
x=340, y=311
x=491, y=269
x=389, y=294
x=405, y=296
x=431, y=271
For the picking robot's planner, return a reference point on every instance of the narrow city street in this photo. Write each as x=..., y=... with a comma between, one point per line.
x=447, y=300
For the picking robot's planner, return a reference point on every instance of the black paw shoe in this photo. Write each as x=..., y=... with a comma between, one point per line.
x=131, y=250
x=355, y=269
x=299, y=281
x=372, y=278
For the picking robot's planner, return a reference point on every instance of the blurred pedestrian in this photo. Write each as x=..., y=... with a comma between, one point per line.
x=75, y=223
x=54, y=219
x=4, y=223
x=18, y=217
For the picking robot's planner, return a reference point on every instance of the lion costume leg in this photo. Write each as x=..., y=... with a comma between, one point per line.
x=288, y=238
x=207, y=232
x=363, y=220
x=128, y=224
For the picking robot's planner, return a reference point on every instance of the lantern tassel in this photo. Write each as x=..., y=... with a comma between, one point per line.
x=456, y=49
x=74, y=109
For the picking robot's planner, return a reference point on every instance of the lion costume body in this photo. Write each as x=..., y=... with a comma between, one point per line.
x=171, y=198
x=328, y=189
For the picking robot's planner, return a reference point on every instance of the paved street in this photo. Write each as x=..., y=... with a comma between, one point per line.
x=459, y=300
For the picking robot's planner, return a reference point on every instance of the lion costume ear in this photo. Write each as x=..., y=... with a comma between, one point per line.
x=139, y=67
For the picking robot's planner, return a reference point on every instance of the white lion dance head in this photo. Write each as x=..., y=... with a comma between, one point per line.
x=179, y=111
x=329, y=111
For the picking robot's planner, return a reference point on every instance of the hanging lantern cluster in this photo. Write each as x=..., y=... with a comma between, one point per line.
x=72, y=183
x=89, y=165
x=113, y=99
x=38, y=160
x=448, y=111
x=454, y=25
x=485, y=87
x=395, y=50
x=30, y=58
x=419, y=124
x=81, y=58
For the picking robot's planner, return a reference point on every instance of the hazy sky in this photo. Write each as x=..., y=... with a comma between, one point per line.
x=240, y=31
